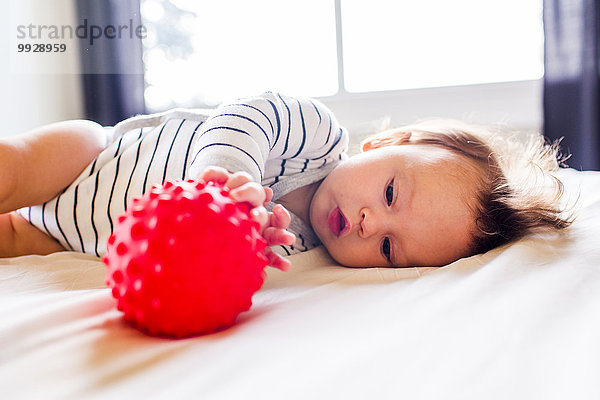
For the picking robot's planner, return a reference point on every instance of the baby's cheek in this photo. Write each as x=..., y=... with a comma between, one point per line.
x=343, y=254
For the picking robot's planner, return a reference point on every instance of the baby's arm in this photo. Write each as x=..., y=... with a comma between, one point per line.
x=269, y=136
x=273, y=224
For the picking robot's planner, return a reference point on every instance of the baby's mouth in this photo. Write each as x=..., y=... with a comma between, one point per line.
x=338, y=223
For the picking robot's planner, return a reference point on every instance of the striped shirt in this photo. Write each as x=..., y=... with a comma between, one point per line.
x=283, y=142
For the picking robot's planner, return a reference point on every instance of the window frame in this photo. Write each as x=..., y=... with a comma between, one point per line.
x=515, y=104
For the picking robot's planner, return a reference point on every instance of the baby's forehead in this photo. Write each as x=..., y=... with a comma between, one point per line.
x=447, y=165
x=447, y=162
x=433, y=155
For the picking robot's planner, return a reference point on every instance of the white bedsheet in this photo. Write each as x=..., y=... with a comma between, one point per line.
x=520, y=322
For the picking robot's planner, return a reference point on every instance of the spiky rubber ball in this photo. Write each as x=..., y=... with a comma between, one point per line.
x=185, y=259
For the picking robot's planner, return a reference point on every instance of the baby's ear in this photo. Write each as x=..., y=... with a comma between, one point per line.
x=387, y=138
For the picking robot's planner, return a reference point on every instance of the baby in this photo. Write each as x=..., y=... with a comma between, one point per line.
x=423, y=195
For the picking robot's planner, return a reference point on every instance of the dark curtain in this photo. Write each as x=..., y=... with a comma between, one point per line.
x=571, y=97
x=109, y=33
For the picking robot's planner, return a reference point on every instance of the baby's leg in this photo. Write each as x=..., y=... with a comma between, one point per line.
x=36, y=166
x=18, y=238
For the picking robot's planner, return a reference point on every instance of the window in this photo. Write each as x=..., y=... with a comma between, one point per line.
x=200, y=53
x=428, y=43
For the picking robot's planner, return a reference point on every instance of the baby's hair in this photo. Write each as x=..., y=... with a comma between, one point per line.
x=518, y=192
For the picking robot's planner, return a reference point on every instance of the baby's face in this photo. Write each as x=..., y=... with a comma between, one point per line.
x=403, y=205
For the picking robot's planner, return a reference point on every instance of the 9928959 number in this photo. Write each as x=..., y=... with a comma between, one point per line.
x=41, y=48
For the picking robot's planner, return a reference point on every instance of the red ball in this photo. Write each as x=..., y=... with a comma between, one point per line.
x=185, y=259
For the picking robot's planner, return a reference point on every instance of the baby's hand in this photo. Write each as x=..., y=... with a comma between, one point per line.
x=273, y=225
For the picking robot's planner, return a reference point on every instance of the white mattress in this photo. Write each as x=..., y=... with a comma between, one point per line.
x=520, y=322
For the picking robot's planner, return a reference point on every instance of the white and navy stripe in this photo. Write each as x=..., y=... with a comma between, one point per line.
x=283, y=142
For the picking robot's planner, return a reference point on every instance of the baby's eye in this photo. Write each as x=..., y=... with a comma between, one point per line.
x=389, y=193
x=385, y=249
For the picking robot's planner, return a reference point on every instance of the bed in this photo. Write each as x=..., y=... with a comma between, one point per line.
x=519, y=322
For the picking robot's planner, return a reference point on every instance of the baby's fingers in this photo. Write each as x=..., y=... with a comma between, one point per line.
x=216, y=174
x=277, y=261
x=238, y=179
x=268, y=196
x=260, y=215
x=250, y=192
x=280, y=217
x=277, y=236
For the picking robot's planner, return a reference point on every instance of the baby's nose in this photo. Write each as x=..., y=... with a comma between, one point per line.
x=368, y=223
